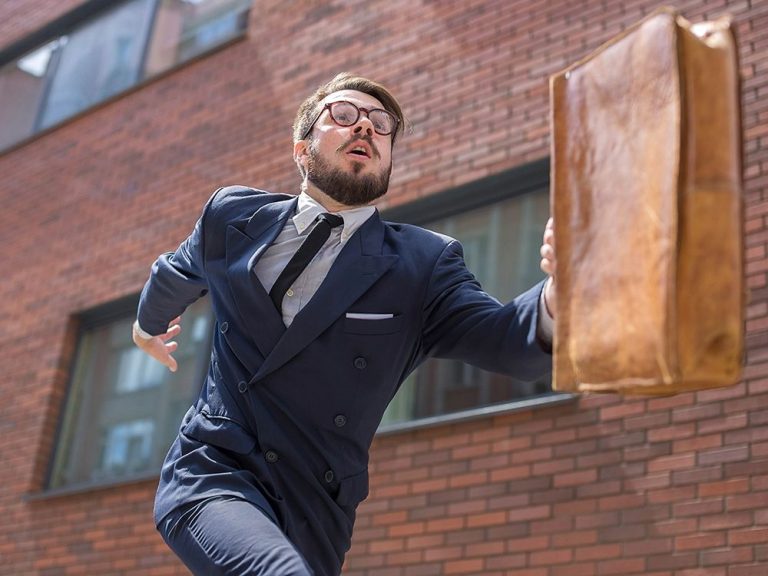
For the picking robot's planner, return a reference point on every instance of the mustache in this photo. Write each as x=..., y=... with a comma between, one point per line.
x=367, y=138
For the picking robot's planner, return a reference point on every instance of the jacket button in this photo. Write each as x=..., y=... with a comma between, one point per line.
x=329, y=476
x=340, y=420
x=242, y=386
x=271, y=456
x=223, y=327
x=360, y=363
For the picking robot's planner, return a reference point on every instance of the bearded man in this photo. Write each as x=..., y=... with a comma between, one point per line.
x=322, y=311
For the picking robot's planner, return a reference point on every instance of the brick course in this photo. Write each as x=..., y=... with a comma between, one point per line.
x=599, y=486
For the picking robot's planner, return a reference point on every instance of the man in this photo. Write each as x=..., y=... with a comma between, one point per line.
x=271, y=462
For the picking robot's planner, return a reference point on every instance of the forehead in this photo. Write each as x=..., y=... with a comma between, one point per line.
x=354, y=96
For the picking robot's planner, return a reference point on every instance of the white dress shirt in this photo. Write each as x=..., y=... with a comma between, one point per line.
x=276, y=257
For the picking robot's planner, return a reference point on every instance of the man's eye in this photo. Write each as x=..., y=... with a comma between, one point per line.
x=344, y=117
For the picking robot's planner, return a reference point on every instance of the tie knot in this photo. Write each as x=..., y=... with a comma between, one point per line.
x=333, y=220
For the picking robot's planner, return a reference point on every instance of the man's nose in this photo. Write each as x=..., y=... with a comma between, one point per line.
x=364, y=124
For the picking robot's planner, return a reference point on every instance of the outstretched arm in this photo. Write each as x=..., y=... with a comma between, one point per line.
x=463, y=322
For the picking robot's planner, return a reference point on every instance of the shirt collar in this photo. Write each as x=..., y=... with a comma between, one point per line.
x=308, y=209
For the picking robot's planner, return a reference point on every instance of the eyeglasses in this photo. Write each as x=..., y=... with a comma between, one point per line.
x=345, y=113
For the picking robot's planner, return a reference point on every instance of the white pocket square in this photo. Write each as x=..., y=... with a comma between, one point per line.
x=363, y=316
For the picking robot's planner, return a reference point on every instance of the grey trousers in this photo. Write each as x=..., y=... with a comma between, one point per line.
x=232, y=537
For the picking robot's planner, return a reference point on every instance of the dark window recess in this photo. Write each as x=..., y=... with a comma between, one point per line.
x=123, y=408
x=500, y=225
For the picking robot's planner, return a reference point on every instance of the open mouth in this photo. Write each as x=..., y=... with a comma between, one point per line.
x=360, y=151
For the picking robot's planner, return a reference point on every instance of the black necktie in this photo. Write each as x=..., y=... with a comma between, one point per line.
x=303, y=256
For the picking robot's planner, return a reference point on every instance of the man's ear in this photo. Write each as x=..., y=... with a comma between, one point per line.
x=300, y=154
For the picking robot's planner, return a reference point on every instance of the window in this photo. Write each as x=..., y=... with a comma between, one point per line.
x=94, y=54
x=501, y=241
x=97, y=60
x=124, y=408
x=21, y=92
x=186, y=28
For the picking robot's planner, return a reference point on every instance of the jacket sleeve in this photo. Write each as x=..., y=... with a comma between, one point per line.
x=176, y=280
x=463, y=322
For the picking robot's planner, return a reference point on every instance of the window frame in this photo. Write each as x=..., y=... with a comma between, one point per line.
x=66, y=24
x=97, y=317
x=498, y=187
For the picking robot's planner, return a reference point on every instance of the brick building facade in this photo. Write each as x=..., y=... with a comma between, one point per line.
x=540, y=486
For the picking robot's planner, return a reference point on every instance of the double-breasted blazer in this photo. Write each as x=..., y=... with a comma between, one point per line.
x=285, y=416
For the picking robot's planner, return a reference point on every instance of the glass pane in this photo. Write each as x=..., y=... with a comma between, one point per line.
x=136, y=370
x=22, y=84
x=501, y=248
x=185, y=28
x=124, y=408
x=100, y=59
x=126, y=448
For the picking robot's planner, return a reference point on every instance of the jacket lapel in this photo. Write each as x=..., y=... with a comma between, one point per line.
x=359, y=265
x=261, y=321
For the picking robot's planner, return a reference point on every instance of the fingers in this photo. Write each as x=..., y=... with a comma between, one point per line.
x=550, y=296
x=547, y=252
x=170, y=360
x=548, y=268
x=161, y=350
x=173, y=331
x=548, y=262
x=167, y=348
x=549, y=232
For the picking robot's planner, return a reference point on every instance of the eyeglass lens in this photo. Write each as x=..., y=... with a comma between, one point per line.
x=346, y=114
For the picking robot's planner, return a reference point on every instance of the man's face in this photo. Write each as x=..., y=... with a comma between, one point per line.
x=351, y=164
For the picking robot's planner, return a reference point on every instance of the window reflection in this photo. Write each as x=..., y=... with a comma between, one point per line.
x=123, y=408
x=108, y=54
x=501, y=248
x=21, y=90
x=137, y=371
x=36, y=63
x=99, y=60
x=186, y=28
x=127, y=448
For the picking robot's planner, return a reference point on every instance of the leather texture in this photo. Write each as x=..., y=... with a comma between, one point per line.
x=647, y=203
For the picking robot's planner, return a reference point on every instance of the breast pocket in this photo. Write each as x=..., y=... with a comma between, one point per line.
x=364, y=326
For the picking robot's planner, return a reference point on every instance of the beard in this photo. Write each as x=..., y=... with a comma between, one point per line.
x=350, y=189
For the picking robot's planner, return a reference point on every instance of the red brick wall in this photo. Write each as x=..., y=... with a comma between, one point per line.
x=21, y=18
x=598, y=486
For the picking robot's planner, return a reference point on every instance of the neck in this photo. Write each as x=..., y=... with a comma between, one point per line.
x=323, y=199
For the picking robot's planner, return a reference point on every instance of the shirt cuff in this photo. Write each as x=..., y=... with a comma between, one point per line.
x=144, y=334
x=545, y=327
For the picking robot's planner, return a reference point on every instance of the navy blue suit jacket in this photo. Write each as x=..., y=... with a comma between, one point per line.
x=285, y=417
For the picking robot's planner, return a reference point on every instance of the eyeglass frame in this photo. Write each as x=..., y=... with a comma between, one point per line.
x=359, y=109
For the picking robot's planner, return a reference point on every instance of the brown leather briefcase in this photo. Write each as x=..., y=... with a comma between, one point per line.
x=647, y=206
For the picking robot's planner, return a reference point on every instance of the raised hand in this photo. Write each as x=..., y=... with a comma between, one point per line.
x=159, y=346
x=549, y=266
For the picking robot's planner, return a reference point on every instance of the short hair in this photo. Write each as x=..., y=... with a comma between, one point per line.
x=346, y=81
